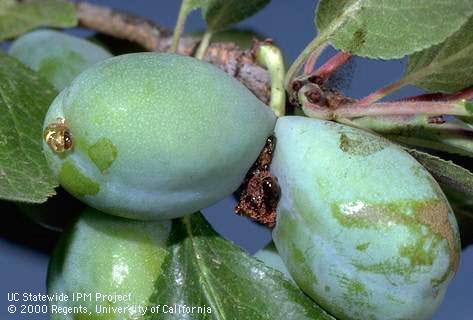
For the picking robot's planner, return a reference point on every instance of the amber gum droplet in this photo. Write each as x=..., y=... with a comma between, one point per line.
x=57, y=136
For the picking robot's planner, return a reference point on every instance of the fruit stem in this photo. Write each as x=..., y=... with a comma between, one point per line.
x=314, y=48
x=270, y=57
x=181, y=21
x=204, y=44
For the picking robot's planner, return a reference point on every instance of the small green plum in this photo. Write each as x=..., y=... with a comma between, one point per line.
x=363, y=228
x=106, y=257
x=153, y=135
x=57, y=56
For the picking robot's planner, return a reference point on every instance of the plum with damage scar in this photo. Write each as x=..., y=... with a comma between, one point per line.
x=132, y=136
x=363, y=228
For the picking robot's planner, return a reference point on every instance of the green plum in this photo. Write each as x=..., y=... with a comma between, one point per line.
x=363, y=228
x=103, y=258
x=154, y=136
x=57, y=56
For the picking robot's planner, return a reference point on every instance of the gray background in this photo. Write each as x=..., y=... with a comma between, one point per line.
x=24, y=247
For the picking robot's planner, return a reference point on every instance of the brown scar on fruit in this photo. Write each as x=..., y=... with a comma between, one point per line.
x=433, y=214
x=57, y=136
x=436, y=217
x=259, y=194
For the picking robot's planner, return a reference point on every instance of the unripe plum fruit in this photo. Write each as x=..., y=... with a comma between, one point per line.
x=109, y=256
x=154, y=136
x=57, y=56
x=363, y=228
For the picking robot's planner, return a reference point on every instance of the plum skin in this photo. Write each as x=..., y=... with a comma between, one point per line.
x=363, y=228
x=110, y=256
x=57, y=56
x=156, y=136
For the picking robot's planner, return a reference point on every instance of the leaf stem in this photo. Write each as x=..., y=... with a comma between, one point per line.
x=409, y=79
x=271, y=57
x=332, y=65
x=316, y=47
x=466, y=94
x=383, y=92
x=450, y=143
x=204, y=44
x=430, y=108
x=420, y=132
x=426, y=97
x=312, y=60
x=181, y=21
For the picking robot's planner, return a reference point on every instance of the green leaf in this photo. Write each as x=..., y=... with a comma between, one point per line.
x=447, y=67
x=18, y=17
x=446, y=172
x=218, y=274
x=24, y=100
x=6, y=3
x=220, y=14
x=390, y=29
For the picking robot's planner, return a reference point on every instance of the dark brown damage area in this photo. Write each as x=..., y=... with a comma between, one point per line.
x=259, y=194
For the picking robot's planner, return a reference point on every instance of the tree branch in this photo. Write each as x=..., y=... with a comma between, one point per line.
x=152, y=37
